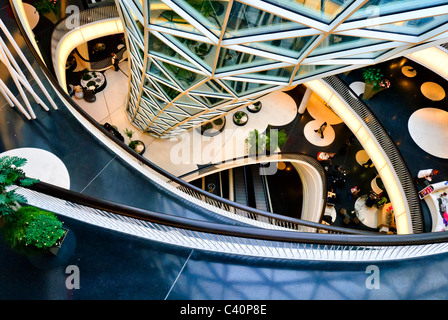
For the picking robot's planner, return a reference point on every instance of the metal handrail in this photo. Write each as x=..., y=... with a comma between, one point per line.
x=106, y=11
x=387, y=144
x=206, y=199
x=232, y=239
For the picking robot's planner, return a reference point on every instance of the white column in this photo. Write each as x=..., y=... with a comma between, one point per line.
x=305, y=100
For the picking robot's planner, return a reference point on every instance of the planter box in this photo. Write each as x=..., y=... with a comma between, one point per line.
x=255, y=107
x=55, y=249
x=242, y=121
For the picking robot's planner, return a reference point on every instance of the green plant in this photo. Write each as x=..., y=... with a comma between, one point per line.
x=92, y=83
x=207, y=126
x=218, y=121
x=132, y=143
x=86, y=76
x=10, y=175
x=46, y=6
x=373, y=76
x=32, y=228
x=239, y=115
x=275, y=139
x=256, y=142
x=128, y=133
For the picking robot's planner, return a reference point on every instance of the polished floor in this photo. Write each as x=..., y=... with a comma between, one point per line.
x=117, y=266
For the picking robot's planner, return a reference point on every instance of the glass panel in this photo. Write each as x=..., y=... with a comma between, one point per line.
x=184, y=77
x=211, y=87
x=230, y=60
x=186, y=100
x=336, y=43
x=245, y=88
x=191, y=111
x=169, y=92
x=245, y=20
x=367, y=55
x=306, y=71
x=377, y=8
x=154, y=71
x=290, y=47
x=158, y=48
x=323, y=10
x=211, y=101
x=173, y=110
x=178, y=117
x=162, y=15
x=202, y=52
x=415, y=27
x=281, y=74
x=210, y=13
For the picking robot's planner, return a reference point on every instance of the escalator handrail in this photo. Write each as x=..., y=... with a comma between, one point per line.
x=357, y=240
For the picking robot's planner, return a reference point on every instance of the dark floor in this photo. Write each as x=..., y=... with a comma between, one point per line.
x=113, y=266
x=345, y=157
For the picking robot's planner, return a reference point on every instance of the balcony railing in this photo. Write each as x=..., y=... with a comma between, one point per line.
x=229, y=239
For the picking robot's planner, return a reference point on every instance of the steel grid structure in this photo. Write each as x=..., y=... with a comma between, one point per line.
x=193, y=61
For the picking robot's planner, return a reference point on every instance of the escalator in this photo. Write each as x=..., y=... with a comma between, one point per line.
x=258, y=188
x=247, y=186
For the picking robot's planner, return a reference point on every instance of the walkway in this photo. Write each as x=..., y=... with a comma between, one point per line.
x=113, y=266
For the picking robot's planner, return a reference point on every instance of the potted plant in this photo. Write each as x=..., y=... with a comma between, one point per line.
x=213, y=128
x=46, y=6
x=256, y=143
x=240, y=118
x=25, y=228
x=254, y=107
x=136, y=145
x=32, y=230
x=275, y=139
x=10, y=174
x=374, y=82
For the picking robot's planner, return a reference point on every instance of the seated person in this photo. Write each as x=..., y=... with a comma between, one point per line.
x=331, y=199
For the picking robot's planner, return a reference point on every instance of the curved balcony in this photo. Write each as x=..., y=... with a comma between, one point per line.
x=245, y=241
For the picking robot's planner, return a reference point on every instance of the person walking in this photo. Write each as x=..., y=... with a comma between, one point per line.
x=115, y=61
x=427, y=174
x=321, y=130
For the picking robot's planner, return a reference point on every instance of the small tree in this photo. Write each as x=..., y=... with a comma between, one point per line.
x=373, y=76
x=32, y=228
x=374, y=82
x=132, y=143
x=275, y=139
x=256, y=142
x=10, y=175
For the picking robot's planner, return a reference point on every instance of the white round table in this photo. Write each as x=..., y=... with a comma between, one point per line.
x=362, y=157
x=42, y=165
x=367, y=216
x=409, y=71
x=375, y=187
x=330, y=211
x=433, y=91
x=427, y=127
x=315, y=138
x=31, y=14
